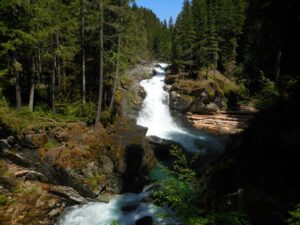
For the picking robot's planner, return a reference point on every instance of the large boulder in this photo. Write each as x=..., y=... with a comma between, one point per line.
x=147, y=220
x=142, y=93
x=161, y=147
x=167, y=87
x=180, y=102
x=68, y=193
x=199, y=107
x=131, y=153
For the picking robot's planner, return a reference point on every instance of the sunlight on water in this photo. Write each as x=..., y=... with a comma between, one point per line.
x=155, y=115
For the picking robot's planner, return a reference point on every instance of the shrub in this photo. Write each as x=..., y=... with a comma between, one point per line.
x=179, y=190
x=3, y=199
x=268, y=94
x=294, y=216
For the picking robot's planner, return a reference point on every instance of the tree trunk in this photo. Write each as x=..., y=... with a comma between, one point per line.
x=83, y=69
x=58, y=67
x=278, y=64
x=99, y=108
x=116, y=74
x=18, y=91
x=64, y=77
x=53, y=80
x=39, y=64
x=31, y=95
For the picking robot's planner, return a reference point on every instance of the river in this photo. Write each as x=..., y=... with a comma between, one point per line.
x=156, y=116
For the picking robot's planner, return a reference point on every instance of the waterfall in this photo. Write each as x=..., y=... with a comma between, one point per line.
x=155, y=115
x=128, y=208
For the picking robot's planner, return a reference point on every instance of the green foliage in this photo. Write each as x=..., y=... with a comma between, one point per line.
x=179, y=190
x=3, y=199
x=52, y=144
x=75, y=110
x=41, y=39
x=268, y=94
x=206, y=35
x=294, y=216
x=230, y=218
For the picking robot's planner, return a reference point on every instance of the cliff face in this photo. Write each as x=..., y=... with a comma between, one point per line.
x=259, y=172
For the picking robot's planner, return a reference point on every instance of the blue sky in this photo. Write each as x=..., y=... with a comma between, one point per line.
x=164, y=9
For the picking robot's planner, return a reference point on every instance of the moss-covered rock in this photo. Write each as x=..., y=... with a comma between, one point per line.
x=204, y=93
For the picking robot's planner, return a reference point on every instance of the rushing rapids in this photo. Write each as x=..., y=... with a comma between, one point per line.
x=129, y=208
x=125, y=209
x=156, y=116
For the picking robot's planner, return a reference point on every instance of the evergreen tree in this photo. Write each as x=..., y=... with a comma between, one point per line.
x=184, y=37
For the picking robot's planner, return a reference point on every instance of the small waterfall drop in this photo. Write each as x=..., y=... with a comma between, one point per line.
x=155, y=115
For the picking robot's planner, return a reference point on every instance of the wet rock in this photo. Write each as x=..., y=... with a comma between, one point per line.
x=142, y=93
x=167, y=88
x=161, y=147
x=106, y=197
x=147, y=220
x=68, y=193
x=129, y=208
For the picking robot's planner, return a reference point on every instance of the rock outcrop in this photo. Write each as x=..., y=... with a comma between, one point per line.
x=190, y=93
x=161, y=147
x=180, y=102
x=131, y=91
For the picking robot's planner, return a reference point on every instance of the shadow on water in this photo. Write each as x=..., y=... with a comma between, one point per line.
x=197, y=142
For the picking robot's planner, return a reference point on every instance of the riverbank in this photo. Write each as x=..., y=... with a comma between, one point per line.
x=69, y=162
x=50, y=162
x=223, y=122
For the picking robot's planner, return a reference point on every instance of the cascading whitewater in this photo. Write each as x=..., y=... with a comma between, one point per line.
x=156, y=116
x=96, y=213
